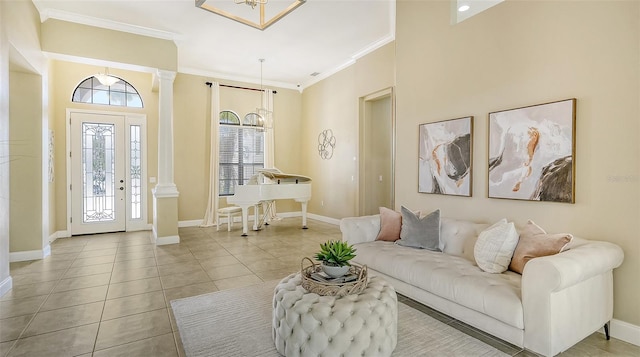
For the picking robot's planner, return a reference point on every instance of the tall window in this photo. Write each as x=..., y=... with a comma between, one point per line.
x=120, y=94
x=241, y=149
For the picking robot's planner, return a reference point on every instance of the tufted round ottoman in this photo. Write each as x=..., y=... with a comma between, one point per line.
x=307, y=324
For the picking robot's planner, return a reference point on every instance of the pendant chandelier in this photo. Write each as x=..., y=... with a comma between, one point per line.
x=260, y=19
x=264, y=114
x=252, y=3
x=105, y=78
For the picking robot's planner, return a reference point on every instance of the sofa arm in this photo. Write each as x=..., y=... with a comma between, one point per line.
x=583, y=261
x=360, y=229
x=568, y=296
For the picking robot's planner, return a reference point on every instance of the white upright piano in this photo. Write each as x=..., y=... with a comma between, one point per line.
x=265, y=187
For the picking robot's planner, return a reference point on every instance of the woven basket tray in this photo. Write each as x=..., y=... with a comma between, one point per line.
x=332, y=289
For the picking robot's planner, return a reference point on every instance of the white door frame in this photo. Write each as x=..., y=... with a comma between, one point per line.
x=363, y=102
x=130, y=119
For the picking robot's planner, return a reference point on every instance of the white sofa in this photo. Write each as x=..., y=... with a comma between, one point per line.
x=555, y=303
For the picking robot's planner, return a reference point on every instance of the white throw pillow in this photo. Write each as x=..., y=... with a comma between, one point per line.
x=495, y=245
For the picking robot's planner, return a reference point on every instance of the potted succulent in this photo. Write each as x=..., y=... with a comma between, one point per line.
x=335, y=257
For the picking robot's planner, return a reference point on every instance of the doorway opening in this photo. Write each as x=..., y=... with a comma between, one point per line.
x=376, y=172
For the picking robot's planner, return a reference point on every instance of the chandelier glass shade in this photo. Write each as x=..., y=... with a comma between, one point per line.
x=105, y=78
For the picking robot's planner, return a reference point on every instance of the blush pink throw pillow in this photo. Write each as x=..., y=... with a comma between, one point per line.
x=390, y=225
x=535, y=242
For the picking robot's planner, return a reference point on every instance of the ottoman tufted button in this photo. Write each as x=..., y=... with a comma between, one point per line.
x=299, y=321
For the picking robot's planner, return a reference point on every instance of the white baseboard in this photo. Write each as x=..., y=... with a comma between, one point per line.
x=163, y=240
x=324, y=219
x=46, y=251
x=624, y=331
x=27, y=255
x=192, y=223
x=198, y=222
x=60, y=234
x=167, y=240
x=6, y=285
x=53, y=237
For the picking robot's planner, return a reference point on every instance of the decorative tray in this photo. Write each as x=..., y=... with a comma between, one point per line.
x=329, y=288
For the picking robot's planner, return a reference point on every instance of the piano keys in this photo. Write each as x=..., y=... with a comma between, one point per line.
x=269, y=185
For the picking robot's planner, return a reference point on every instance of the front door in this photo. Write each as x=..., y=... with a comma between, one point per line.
x=98, y=190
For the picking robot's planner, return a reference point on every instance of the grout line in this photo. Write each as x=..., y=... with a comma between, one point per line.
x=41, y=305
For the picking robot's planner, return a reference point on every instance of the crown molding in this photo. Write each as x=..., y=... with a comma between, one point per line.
x=236, y=78
x=365, y=51
x=106, y=24
x=390, y=37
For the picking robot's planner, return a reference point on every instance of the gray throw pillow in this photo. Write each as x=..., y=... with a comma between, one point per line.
x=419, y=232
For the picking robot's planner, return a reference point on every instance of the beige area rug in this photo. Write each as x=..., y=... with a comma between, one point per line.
x=238, y=323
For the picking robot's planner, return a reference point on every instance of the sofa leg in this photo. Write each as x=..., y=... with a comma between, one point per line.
x=606, y=331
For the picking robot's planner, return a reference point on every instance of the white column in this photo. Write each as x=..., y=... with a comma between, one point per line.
x=165, y=185
x=165, y=194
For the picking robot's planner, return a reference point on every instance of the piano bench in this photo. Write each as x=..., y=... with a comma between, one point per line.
x=229, y=212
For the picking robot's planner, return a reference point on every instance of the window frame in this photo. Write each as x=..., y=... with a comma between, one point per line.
x=251, y=121
x=95, y=87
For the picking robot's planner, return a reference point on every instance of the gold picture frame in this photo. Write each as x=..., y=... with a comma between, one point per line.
x=532, y=152
x=446, y=157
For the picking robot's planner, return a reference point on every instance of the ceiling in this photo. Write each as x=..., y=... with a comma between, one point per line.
x=320, y=36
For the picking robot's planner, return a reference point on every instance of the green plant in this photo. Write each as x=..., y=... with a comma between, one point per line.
x=336, y=253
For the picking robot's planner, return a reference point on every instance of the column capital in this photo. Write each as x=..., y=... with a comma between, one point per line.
x=167, y=75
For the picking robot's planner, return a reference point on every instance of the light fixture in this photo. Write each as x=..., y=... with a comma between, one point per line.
x=252, y=3
x=105, y=78
x=257, y=19
x=464, y=8
x=264, y=114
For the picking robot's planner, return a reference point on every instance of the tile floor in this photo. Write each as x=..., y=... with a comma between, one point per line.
x=108, y=294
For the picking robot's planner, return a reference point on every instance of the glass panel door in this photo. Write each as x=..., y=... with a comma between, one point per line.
x=98, y=187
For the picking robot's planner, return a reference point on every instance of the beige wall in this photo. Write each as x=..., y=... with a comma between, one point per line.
x=191, y=132
x=65, y=77
x=93, y=42
x=333, y=104
x=523, y=53
x=20, y=52
x=25, y=150
x=192, y=128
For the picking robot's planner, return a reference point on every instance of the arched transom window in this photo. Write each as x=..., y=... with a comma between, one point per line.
x=119, y=94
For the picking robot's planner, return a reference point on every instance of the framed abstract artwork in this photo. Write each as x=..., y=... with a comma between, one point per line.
x=445, y=150
x=532, y=151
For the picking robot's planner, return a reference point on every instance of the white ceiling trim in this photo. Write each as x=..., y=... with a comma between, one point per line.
x=358, y=55
x=325, y=74
x=230, y=77
x=365, y=51
x=106, y=24
x=99, y=62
